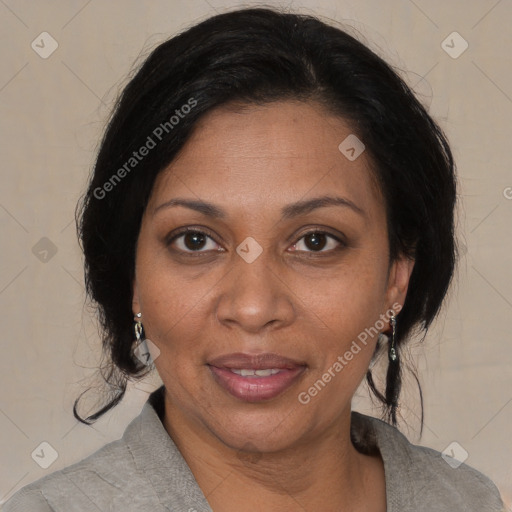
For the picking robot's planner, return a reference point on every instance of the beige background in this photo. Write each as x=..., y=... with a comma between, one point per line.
x=52, y=114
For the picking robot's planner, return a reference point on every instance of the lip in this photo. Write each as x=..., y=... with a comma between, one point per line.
x=255, y=388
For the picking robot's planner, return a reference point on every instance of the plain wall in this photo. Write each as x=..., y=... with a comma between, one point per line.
x=52, y=112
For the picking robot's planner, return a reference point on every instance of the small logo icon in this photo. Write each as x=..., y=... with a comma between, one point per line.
x=507, y=192
x=146, y=352
x=454, y=45
x=44, y=250
x=454, y=454
x=44, y=45
x=249, y=249
x=351, y=147
x=45, y=455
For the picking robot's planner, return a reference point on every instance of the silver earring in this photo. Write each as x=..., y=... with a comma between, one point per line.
x=138, y=327
x=392, y=352
x=141, y=350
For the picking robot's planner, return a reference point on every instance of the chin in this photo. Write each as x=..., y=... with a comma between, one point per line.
x=258, y=431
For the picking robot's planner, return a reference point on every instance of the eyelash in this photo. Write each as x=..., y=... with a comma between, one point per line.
x=186, y=231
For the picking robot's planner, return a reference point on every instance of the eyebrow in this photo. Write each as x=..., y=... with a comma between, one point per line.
x=287, y=212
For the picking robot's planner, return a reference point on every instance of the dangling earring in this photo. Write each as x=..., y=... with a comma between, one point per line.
x=138, y=327
x=392, y=352
x=393, y=377
x=141, y=350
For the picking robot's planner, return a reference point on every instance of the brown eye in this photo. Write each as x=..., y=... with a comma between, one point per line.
x=317, y=241
x=194, y=240
x=190, y=241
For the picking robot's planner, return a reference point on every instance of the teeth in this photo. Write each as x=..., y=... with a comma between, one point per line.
x=255, y=373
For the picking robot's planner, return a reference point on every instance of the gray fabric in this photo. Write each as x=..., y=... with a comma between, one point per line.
x=145, y=472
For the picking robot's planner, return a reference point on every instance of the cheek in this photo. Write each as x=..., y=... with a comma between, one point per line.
x=172, y=314
x=343, y=311
x=169, y=307
x=174, y=321
x=343, y=315
x=346, y=300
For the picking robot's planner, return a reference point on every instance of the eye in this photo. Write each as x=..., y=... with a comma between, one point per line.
x=192, y=240
x=317, y=241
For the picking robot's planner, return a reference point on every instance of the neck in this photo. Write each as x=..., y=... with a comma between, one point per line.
x=323, y=473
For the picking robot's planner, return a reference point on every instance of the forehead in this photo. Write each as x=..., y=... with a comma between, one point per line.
x=278, y=152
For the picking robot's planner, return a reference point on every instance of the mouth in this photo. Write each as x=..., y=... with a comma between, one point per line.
x=255, y=378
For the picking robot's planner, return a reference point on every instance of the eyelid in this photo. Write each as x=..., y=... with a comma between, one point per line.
x=190, y=229
x=323, y=231
x=187, y=229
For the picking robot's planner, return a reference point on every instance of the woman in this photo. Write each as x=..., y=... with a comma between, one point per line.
x=271, y=210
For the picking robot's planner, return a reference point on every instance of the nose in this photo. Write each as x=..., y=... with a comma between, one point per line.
x=254, y=297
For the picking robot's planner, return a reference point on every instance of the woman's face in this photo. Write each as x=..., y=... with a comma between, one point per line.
x=288, y=265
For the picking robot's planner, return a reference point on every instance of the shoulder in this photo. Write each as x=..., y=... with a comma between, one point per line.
x=27, y=499
x=109, y=479
x=142, y=472
x=90, y=481
x=420, y=478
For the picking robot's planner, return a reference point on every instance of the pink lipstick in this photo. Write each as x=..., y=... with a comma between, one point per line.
x=255, y=378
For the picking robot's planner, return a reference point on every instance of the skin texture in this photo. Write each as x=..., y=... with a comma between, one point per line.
x=292, y=300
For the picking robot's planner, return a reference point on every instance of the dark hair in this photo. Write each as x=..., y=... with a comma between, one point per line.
x=256, y=56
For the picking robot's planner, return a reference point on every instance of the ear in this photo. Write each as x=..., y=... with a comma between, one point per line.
x=135, y=298
x=398, y=280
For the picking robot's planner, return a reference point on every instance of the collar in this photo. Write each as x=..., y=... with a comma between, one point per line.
x=158, y=458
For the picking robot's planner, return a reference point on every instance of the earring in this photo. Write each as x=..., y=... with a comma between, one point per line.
x=137, y=327
x=141, y=350
x=392, y=352
x=393, y=377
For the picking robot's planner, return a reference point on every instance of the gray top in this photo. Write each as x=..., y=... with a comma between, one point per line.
x=145, y=472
